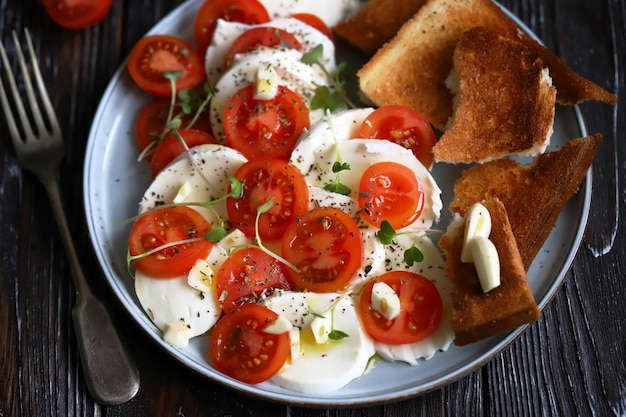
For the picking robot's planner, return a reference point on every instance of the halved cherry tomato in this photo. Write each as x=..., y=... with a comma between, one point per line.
x=253, y=38
x=240, y=348
x=77, y=14
x=156, y=54
x=263, y=180
x=315, y=22
x=403, y=126
x=243, y=11
x=325, y=245
x=151, y=121
x=262, y=128
x=420, y=303
x=390, y=191
x=168, y=226
x=247, y=275
x=171, y=147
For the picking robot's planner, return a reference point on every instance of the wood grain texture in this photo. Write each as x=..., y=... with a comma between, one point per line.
x=571, y=362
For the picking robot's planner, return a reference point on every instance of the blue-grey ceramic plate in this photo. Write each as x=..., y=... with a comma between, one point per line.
x=114, y=182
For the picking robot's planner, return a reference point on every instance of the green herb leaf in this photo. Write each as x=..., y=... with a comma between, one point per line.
x=265, y=207
x=386, y=233
x=337, y=335
x=314, y=56
x=216, y=234
x=340, y=166
x=325, y=99
x=337, y=187
x=314, y=313
x=174, y=124
x=172, y=75
x=236, y=189
x=412, y=255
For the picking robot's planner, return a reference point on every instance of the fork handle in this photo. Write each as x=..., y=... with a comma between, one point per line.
x=111, y=375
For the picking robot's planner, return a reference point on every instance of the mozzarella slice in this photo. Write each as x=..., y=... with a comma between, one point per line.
x=332, y=137
x=294, y=74
x=331, y=12
x=327, y=366
x=172, y=301
x=226, y=33
x=432, y=267
x=181, y=182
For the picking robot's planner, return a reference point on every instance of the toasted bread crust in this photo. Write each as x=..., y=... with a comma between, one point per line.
x=411, y=69
x=477, y=315
x=376, y=23
x=571, y=87
x=506, y=102
x=533, y=195
x=422, y=52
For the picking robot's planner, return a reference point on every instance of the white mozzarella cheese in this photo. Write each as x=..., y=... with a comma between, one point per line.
x=318, y=149
x=331, y=12
x=294, y=74
x=181, y=182
x=433, y=268
x=330, y=365
x=173, y=301
x=190, y=301
x=226, y=33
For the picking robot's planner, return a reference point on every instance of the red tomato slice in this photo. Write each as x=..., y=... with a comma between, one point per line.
x=265, y=128
x=169, y=225
x=403, y=126
x=390, y=191
x=171, y=148
x=243, y=11
x=151, y=121
x=155, y=54
x=315, y=22
x=325, y=245
x=247, y=275
x=262, y=180
x=256, y=37
x=421, y=309
x=77, y=14
x=241, y=349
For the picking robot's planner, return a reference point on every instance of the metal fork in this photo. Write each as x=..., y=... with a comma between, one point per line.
x=111, y=375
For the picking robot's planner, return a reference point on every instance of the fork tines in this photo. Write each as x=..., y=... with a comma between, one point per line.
x=36, y=94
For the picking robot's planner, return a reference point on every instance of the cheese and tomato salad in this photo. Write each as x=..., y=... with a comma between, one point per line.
x=296, y=236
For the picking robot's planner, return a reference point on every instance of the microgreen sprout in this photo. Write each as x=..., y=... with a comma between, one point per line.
x=387, y=233
x=324, y=98
x=261, y=209
x=189, y=101
x=338, y=166
x=236, y=191
x=214, y=235
x=334, y=334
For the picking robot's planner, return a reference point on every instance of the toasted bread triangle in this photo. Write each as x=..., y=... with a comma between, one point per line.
x=376, y=23
x=477, y=315
x=533, y=195
x=412, y=68
x=505, y=100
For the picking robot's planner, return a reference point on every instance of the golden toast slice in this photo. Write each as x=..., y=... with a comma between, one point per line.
x=504, y=100
x=376, y=23
x=477, y=315
x=532, y=194
x=411, y=69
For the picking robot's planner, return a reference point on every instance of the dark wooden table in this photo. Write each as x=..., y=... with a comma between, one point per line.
x=571, y=362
